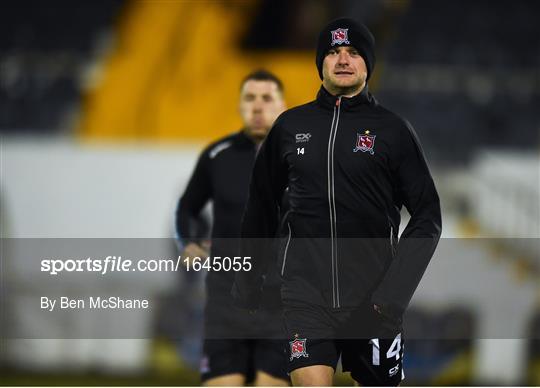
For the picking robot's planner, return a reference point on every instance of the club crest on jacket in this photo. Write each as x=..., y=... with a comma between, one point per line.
x=365, y=142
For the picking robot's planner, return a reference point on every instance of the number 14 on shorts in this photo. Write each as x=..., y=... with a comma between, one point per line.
x=393, y=352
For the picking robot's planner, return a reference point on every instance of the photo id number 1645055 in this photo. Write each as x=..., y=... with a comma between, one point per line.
x=236, y=263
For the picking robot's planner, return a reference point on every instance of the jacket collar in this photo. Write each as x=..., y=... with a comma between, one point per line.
x=244, y=140
x=329, y=101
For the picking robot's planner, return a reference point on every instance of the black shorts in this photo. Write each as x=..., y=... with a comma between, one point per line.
x=223, y=357
x=239, y=342
x=370, y=348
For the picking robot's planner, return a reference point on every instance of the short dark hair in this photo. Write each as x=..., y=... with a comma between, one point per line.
x=263, y=75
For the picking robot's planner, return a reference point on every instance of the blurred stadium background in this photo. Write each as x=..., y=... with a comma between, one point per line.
x=106, y=104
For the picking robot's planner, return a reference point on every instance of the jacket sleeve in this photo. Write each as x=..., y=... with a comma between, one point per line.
x=190, y=224
x=416, y=190
x=261, y=219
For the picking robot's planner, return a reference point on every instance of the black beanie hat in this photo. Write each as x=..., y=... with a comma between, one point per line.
x=346, y=32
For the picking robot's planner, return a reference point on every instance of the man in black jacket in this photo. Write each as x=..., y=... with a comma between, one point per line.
x=238, y=346
x=349, y=165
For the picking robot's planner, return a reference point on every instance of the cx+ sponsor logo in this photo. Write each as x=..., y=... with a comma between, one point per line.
x=302, y=137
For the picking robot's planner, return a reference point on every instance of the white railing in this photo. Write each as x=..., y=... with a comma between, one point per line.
x=505, y=198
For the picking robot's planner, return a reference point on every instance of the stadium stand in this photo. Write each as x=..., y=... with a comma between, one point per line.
x=44, y=49
x=466, y=74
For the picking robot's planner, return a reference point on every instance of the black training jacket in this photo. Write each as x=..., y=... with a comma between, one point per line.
x=349, y=165
x=221, y=176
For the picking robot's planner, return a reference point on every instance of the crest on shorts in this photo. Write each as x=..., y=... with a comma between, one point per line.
x=298, y=348
x=340, y=36
x=365, y=142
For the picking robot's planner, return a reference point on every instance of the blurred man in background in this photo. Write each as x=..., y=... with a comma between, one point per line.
x=238, y=347
x=349, y=165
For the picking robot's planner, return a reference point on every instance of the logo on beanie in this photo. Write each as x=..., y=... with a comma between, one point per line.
x=339, y=36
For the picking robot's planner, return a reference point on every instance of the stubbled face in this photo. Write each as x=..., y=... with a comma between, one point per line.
x=261, y=103
x=344, y=71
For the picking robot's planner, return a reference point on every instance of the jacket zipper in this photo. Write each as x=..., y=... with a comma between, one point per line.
x=332, y=204
x=286, y=250
x=392, y=240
